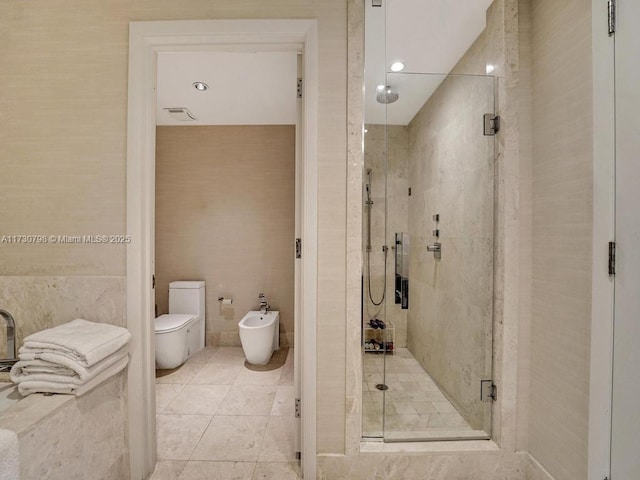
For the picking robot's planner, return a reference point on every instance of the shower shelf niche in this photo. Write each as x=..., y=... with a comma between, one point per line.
x=384, y=338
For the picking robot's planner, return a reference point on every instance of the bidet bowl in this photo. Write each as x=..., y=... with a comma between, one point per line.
x=260, y=336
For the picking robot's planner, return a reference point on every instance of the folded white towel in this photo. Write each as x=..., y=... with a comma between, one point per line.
x=27, y=387
x=9, y=456
x=51, y=366
x=79, y=340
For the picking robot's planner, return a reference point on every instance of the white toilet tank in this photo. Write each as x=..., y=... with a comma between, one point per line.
x=180, y=333
x=189, y=297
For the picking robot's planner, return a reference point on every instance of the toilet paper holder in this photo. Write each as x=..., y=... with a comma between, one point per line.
x=225, y=301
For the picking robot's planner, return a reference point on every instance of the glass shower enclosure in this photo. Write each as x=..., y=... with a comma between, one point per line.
x=428, y=249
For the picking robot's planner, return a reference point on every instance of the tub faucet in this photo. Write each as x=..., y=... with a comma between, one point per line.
x=7, y=363
x=264, y=306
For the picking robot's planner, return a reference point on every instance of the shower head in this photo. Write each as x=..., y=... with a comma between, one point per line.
x=388, y=95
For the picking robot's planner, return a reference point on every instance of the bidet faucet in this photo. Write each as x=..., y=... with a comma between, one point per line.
x=6, y=363
x=264, y=306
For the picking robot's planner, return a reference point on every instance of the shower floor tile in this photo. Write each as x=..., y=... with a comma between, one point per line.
x=413, y=405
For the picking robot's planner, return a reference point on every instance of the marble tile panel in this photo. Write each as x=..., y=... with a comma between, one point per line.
x=281, y=471
x=287, y=375
x=40, y=302
x=444, y=407
x=165, y=393
x=197, y=470
x=214, y=373
x=225, y=354
x=278, y=444
x=181, y=375
x=284, y=402
x=168, y=469
x=424, y=407
x=252, y=377
x=248, y=400
x=232, y=438
x=198, y=400
x=404, y=408
x=178, y=435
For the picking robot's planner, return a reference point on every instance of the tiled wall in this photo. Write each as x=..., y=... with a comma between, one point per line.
x=225, y=214
x=386, y=153
x=76, y=437
x=37, y=302
x=63, y=125
x=451, y=171
x=562, y=230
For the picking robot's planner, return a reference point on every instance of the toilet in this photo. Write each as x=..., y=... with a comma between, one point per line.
x=180, y=333
x=260, y=336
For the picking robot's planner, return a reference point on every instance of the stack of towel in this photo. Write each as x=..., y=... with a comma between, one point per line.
x=72, y=358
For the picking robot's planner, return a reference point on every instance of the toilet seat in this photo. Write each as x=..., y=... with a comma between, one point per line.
x=170, y=322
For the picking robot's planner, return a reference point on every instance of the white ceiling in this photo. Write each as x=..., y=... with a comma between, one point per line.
x=428, y=36
x=259, y=88
x=256, y=88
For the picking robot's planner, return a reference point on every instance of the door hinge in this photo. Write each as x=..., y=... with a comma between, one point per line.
x=488, y=391
x=612, y=258
x=298, y=456
x=298, y=408
x=611, y=16
x=153, y=281
x=299, y=94
x=298, y=248
x=491, y=123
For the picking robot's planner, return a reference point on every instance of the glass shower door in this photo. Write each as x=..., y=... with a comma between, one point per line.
x=439, y=174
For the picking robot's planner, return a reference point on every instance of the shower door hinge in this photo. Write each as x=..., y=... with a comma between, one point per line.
x=299, y=94
x=488, y=391
x=611, y=16
x=298, y=408
x=298, y=248
x=153, y=281
x=491, y=123
x=612, y=258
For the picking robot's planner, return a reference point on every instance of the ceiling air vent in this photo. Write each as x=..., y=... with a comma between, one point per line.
x=181, y=113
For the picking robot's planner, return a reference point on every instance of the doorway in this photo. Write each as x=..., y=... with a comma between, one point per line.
x=147, y=40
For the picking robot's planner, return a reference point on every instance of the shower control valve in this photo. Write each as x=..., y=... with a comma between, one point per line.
x=436, y=248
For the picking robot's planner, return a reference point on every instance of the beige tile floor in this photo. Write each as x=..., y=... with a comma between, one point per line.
x=414, y=406
x=218, y=420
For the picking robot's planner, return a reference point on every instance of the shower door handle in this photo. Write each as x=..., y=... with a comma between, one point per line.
x=436, y=248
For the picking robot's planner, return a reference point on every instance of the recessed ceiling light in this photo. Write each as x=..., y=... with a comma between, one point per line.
x=397, y=67
x=200, y=86
x=490, y=68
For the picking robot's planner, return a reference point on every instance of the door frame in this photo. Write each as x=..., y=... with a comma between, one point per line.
x=146, y=40
x=602, y=298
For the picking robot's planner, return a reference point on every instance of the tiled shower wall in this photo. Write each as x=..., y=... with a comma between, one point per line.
x=452, y=169
x=388, y=178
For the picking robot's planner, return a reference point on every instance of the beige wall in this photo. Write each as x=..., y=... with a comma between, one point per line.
x=562, y=224
x=63, y=115
x=225, y=214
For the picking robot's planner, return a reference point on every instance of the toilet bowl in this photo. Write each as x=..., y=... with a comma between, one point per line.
x=180, y=333
x=260, y=336
x=174, y=342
